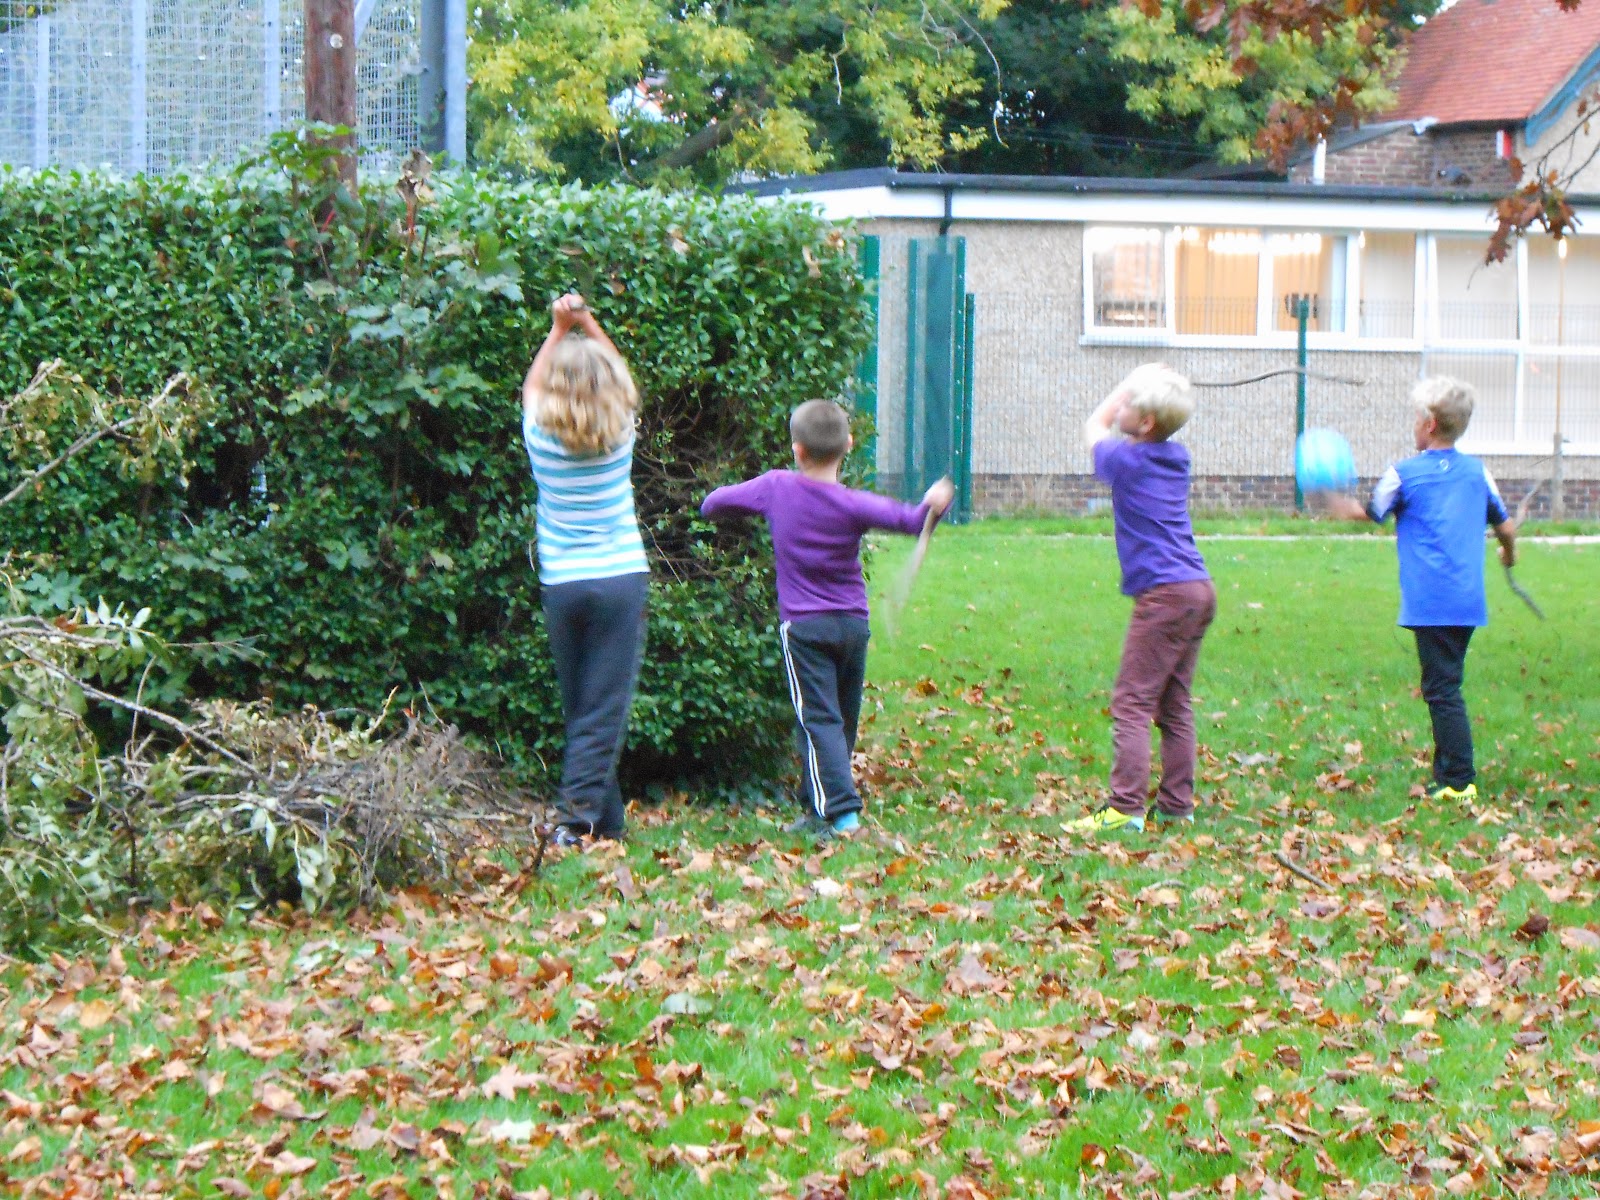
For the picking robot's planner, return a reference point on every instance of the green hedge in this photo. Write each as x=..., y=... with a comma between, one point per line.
x=360, y=508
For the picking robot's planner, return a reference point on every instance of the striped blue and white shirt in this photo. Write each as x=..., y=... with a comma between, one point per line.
x=585, y=516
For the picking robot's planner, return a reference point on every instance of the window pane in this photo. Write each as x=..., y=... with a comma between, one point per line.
x=1494, y=378
x=1476, y=300
x=1218, y=280
x=1388, y=284
x=1564, y=389
x=1126, y=273
x=1564, y=298
x=1308, y=266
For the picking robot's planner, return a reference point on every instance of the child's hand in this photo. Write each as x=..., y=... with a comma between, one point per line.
x=1508, y=554
x=939, y=496
x=566, y=311
x=1344, y=508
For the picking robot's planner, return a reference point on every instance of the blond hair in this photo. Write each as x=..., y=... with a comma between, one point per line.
x=1448, y=401
x=1155, y=390
x=588, y=400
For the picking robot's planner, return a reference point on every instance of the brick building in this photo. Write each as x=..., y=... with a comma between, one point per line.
x=1484, y=82
x=1070, y=282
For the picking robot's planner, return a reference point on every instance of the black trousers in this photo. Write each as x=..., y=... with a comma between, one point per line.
x=596, y=629
x=825, y=658
x=1442, y=651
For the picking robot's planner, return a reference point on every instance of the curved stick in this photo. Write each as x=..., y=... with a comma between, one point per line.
x=901, y=591
x=1309, y=374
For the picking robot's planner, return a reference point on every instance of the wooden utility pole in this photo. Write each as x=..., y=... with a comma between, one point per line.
x=331, y=74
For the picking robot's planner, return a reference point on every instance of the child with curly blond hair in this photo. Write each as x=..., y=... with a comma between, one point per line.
x=578, y=411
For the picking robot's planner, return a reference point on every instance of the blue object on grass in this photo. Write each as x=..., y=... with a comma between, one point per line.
x=1323, y=462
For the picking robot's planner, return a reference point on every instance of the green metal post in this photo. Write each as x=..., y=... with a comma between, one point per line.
x=867, y=257
x=963, y=481
x=1302, y=312
x=914, y=389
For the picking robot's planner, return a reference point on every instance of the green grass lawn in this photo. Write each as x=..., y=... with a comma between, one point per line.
x=963, y=1001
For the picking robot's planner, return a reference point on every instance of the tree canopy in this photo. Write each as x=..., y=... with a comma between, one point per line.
x=653, y=90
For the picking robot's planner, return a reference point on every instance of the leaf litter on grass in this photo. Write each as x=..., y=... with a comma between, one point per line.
x=964, y=1003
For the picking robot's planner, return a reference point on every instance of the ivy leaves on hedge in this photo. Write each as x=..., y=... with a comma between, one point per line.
x=359, y=507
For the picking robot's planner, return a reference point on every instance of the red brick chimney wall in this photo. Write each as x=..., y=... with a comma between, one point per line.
x=1442, y=158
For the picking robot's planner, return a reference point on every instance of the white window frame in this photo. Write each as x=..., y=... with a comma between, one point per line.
x=1144, y=335
x=1426, y=334
x=1267, y=336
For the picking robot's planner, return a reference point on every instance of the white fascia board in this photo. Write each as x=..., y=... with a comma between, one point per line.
x=865, y=204
x=1285, y=212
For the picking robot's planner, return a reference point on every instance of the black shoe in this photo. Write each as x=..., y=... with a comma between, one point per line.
x=566, y=837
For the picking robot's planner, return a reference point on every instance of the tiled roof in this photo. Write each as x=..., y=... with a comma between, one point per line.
x=1493, y=60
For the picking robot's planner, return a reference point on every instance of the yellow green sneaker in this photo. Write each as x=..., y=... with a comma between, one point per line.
x=1105, y=820
x=1458, y=795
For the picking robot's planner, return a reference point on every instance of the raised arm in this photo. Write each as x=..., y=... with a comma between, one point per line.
x=747, y=499
x=880, y=512
x=567, y=313
x=562, y=318
x=1104, y=418
x=1385, y=499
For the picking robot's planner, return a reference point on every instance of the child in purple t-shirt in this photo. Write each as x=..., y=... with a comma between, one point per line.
x=1174, y=600
x=817, y=524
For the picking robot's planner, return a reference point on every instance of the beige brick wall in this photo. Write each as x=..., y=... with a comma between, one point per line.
x=1035, y=384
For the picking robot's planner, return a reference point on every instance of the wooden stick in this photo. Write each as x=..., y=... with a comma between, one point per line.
x=1284, y=861
x=901, y=591
x=1521, y=593
x=1227, y=383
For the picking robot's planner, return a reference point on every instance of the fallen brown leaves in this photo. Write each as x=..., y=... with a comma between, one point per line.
x=967, y=1006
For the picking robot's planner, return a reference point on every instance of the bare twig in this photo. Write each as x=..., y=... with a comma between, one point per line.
x=1288, y=864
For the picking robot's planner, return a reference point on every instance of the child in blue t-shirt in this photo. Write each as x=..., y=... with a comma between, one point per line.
x=1174, y=600
x=1441, y=499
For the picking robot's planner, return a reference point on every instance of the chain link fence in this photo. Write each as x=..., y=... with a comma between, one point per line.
x=152, y=85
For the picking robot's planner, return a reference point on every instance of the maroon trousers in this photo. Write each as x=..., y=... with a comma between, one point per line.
x=1158, y=660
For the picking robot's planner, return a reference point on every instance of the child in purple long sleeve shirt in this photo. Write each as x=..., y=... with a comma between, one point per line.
x=817, y=524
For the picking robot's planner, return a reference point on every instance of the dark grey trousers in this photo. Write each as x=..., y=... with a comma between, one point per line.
x=1442, y=652
x=596, y=629
x=825, y=659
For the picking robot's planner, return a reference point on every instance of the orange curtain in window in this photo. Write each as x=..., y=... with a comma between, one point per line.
x=1218, y=281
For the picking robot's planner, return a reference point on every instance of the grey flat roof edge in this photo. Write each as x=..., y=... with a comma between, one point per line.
x=1082, y=185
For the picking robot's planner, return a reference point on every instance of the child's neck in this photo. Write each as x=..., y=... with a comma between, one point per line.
x=821, y=472
x=1437, y=443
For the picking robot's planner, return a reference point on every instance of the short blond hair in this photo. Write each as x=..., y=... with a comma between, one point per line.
x=1448, y=401
x=588, y=400
x=1156, y=390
